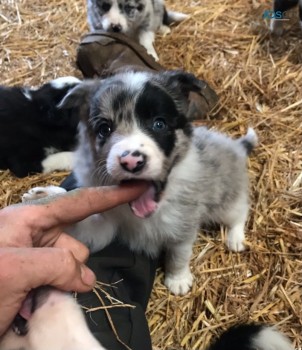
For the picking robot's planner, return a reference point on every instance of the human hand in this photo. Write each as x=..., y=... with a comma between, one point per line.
x=25, y=228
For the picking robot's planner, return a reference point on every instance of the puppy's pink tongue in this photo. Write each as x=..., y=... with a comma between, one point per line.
x=26, y=307
x=145, y=205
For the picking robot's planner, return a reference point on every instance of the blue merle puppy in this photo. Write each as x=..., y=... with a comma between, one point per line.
x=138, y=19
x=134, y=127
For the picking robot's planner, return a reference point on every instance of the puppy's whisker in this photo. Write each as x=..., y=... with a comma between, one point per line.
x=100, y=172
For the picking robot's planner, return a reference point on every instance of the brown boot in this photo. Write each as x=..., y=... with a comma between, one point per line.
x=103, y=54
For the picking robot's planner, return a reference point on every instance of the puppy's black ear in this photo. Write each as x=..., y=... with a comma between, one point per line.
x=197, y=97
x=186, y=82
x=79, y=95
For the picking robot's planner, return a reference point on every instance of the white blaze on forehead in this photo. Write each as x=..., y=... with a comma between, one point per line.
x=114, y=17
x=135, y=141
x=135, y=81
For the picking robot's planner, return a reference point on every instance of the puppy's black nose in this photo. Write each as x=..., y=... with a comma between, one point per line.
x=116, y=28
x=133, y=161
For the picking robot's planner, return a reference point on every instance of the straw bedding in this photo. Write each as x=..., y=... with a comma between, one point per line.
x=259, y=80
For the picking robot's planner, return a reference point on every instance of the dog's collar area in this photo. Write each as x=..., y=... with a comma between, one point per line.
x=19, y=325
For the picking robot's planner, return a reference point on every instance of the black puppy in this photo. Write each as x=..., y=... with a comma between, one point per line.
x=280, y=7
x=35, y=135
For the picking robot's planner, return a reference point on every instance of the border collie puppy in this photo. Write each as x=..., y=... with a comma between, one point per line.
x=35, y=135
x=49, y=320
x=283, y=6
x=54, y=321
x=139, y=19
x=134, y=126
x=252, y=337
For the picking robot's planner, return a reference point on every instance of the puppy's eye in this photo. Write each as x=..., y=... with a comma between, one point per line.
x=106, y=6
x=120, y=6
x=105, y=129
x=140, y=7
x=159, y=125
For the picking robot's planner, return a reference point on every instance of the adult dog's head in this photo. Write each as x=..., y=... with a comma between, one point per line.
x=133, y=126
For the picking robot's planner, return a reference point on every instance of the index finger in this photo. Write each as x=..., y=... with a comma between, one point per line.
x=78, y=204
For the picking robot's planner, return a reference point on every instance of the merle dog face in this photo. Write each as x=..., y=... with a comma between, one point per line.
x=115, y=15
x=135, y=123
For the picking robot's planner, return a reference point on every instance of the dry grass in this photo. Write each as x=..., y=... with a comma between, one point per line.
x=259, y=80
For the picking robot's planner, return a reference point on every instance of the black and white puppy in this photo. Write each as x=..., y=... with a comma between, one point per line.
x=252, y=337
x=49, y=320
x=134, y=126
x=138, y=19
x=56, y=322
x=35, y=135
x=282, y=6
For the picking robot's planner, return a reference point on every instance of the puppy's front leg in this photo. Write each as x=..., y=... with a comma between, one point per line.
x=146, y=39
x=178, y=277
x=96, y=231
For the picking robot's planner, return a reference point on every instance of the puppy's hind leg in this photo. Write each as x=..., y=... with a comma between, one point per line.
x=178, y=277
x=236, y=222
x=235, y=239
x=146, y=39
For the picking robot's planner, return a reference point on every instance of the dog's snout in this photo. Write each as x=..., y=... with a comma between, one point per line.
x=116, y=28
x=133, y=161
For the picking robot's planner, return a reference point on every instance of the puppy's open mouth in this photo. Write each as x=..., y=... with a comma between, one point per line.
x=147, y=203
x=33, y=300
x=19, y=325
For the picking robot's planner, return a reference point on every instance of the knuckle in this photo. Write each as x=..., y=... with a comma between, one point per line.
x=85, y=253
x=68, y=260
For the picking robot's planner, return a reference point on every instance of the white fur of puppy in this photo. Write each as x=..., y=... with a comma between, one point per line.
x=57, y=324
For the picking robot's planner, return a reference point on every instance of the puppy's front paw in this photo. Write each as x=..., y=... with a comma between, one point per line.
x=153, y=53
x=179, y=284
x=164, y=30
x=41, y=192
x=235, y=244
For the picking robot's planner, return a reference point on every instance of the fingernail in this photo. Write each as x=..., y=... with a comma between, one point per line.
x=88, y=277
